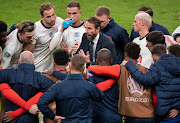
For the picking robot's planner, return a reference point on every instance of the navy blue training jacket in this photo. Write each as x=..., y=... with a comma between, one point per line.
x=106, y=111
x=165, y=76
x=73, y=99
x=26, y=82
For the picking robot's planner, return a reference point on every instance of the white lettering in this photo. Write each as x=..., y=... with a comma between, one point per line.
x=132, y=99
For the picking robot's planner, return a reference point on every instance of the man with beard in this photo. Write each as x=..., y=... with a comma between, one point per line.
x=72, y=35
x=16, y=43
x=44, y=32
x=93, y=40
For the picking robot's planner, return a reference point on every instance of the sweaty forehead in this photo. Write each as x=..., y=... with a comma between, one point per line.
x=27, y=34
x=72, y=9
x=48, y=12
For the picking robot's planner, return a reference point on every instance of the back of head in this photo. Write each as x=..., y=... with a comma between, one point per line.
x=132, y=50
x=61, y=57
x=158, y=50
x=26, y=57
x=102, y=10
x=146, y=17
x=174, y=49
x=147, y=10
x=26, y=26
x=45, y=7
x=3, y=26
x=156, y=37
x=104, y=57
x=73, y=4
x=77, y=63
x=95, y=21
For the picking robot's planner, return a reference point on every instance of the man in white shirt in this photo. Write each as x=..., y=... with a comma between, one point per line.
x=44, y=32
x=72, y=35
x=141, y=25
x=16, y=43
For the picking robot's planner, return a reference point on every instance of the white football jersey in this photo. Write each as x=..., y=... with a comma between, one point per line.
x=177, y=30
x=169, y=40
x=72, y=36
x=42, y=54
x=145, y=57
x=12, y=51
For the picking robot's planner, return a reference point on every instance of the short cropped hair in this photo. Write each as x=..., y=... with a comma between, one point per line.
x=132, y=50
x=45, y=6
x=158, y=50
x=102, y=10
x=61, y=57
x=146, y=17
x=26, y=57
x=174, y=49
x=73, y=4
x=147, y=10
x=3, y=26
x=104, y=55
x=95, y=21
x=156, y=37
x=26, y=26
x=77, y=63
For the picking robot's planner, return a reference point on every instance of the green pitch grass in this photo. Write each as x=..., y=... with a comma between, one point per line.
x=166, y=12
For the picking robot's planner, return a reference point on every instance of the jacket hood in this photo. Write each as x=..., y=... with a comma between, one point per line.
x=171, y=63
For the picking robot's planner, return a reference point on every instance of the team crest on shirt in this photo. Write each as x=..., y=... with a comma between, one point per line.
x=76, y=34
x=51, y=34
x=7, y=55
x=134, y=88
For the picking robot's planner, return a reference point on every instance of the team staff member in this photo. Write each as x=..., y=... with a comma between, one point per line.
x=105, y=111
x=93, y=40
x=25, y=82
x=16, y=43
x=44, y=32
x=113, y=30
x=135, y=100
x=73, y=96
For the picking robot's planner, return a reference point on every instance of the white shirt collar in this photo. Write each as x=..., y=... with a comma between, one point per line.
x=95, y=40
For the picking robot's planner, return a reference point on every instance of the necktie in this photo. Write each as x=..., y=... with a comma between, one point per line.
x=91, y=51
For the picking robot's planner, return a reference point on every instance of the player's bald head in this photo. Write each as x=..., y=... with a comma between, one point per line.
x=105, y=56
x=26, y=57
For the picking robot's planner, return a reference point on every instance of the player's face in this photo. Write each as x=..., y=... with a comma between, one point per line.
x=149, y=45
x=137, y=24
x=27, y=37
x=3, y=36
x=49, y=17
x=74, y=13
x=91, y=31
x=104, y=20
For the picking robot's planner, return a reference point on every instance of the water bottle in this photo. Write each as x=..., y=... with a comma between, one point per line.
x=68, y=23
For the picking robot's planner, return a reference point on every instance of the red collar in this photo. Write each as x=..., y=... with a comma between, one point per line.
x=60, y=69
